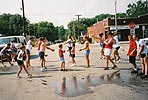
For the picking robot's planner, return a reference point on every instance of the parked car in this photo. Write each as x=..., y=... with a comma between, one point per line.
x=58, y=41
x=146, y=40
x=18, y=41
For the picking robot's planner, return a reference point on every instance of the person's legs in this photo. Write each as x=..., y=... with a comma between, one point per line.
x=8, y=58
x=107, y=62
x=72, y=59
x=132, y=60
x=13, y=55
x=19, y=71
x=101, y=53
x=25, y=69
x=44, y=63
x=87, y=52
x=119, y=58
x=114, y=54
x=143, y=65
x=135, y=66
x=146, y=65
x=63, y=65
x=2, y=60
x=111, y=61
x=27, y=60
x=87, y=60
x=117, y=53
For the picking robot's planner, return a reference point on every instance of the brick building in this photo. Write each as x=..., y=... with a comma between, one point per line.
x=140, y=25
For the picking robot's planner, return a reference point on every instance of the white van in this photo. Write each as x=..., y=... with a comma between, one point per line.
x=18, y=41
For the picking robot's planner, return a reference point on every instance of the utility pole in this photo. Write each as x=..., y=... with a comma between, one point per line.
x=78, y=17
x=116, y=27
x=147, y=5
x=24, y=29
x=78, y=25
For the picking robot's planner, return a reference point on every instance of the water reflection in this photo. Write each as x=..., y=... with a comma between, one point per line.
x=63, y=86
x=75, y=86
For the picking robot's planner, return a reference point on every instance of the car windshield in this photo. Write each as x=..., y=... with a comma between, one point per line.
x=6, y=40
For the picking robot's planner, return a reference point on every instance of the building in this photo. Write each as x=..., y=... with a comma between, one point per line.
x=125, y=26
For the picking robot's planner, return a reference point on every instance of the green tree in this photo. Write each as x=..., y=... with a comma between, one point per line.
x=46, y=29
x=136, y=9
x=11, y=24
x=61, y=32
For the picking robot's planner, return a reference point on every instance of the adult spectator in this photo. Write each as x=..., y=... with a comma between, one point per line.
x=143, y=54
x=116, y=47
x=108, y=50
x=5, y=52
x=101, y=44
x=69, y=42
x=28, y=49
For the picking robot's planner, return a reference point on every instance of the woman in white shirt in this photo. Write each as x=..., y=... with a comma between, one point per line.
x=116, y=47
x=28, y=49
x=69, y=42
x=143, y=54
x=20, y=62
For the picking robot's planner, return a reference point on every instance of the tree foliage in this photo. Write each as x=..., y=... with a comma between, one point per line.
x=46, y=29
x=11, y=24
x=136, y=9
x=76, y=28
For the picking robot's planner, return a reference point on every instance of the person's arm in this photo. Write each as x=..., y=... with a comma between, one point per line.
x=141, y=47
x=4, y=48
x=84, y=47
x=49, y=48
x=31, y=43
x=133, y=51
x=109, y=42
x=66, y=42
x=134, y=46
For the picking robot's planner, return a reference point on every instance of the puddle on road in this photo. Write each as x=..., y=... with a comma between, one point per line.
x=75, y=86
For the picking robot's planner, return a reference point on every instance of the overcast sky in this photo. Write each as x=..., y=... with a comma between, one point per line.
x=60, y=12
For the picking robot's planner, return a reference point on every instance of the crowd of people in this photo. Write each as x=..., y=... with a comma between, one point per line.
x=109, y=50
x=137, y=49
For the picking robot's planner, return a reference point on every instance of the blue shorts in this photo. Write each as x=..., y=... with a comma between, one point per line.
x=101, y=45
x=41, y=55
x=87, y=52
x=27, y=51
x=62, y=59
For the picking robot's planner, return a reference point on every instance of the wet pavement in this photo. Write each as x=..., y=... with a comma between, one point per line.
x=75, y=82
x=75, y=86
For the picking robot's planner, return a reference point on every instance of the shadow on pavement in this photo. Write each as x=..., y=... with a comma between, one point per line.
x=41, y=76
x=7, y=73
x=33, y=56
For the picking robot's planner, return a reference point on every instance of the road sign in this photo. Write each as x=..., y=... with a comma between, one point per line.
x=132, y=25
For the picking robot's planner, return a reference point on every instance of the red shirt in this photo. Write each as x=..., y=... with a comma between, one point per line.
x=110, y=45
x=132, y=46
x=39, y=45
x=61, y=53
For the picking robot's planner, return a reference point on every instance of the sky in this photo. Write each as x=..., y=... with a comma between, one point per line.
x=60, y=12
